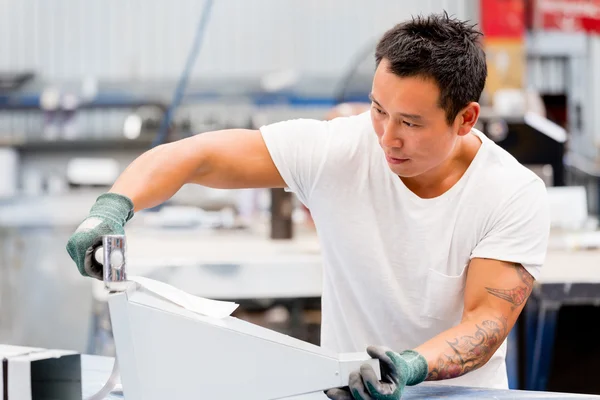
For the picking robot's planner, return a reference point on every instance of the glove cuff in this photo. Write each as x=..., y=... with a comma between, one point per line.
x=417, y=367
x=114, y=207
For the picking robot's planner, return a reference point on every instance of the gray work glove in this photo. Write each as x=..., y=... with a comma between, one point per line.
x=398, y=370
x=107, y=217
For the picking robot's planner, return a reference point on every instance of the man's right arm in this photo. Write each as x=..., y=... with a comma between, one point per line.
x=224, y=159
x=228, y=159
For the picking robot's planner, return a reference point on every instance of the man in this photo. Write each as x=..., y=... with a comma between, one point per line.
x=431, y=234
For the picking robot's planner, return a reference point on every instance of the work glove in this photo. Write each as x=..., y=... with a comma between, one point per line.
x=397, y=371
x=107, y=217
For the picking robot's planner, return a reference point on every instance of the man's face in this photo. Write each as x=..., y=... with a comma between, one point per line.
x=411, y=126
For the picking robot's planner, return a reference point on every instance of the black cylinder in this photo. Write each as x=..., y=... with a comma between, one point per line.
x=281, y=214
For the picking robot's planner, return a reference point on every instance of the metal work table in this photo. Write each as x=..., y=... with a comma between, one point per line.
x=96, y=370
x=240, y=265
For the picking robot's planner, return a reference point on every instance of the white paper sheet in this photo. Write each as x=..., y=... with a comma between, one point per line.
x=199, y=305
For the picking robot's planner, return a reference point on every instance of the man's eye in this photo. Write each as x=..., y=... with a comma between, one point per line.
x=379, y=111
x=409, y=124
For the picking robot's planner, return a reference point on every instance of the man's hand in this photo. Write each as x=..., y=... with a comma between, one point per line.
x=397, y=371
x=107, y=217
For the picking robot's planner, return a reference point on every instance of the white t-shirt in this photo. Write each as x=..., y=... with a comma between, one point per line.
x=394, y=263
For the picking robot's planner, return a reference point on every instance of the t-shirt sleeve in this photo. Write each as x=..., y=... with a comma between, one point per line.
x=298, y=149
x=305, y=149
x=519, y=230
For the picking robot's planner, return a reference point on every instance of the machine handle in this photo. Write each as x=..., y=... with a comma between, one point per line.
x=112, y=256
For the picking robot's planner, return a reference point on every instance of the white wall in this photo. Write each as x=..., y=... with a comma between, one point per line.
x=147, y=39
x=594, y=81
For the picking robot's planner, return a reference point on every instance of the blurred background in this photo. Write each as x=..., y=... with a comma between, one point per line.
x=87, y=86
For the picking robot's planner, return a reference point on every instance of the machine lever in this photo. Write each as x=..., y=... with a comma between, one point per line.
x=112, y=256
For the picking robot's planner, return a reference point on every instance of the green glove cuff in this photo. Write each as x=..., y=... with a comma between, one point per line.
x=415, y=367
x=113, y=207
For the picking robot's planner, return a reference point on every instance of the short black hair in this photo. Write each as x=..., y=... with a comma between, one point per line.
x=441, y=48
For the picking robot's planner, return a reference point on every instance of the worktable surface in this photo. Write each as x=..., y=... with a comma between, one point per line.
x=194, y=247
x=96, y=371
x=247, y=264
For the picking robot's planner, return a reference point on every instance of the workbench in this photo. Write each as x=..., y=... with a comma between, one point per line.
x=96, y=370
x=247, y=264
x=228, y=264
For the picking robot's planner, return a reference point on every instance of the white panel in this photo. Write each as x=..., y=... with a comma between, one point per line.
x=150, y=39
x=547, y=75
x=199, y=355
x=5, y=50
x=20, y=35
x=548, y=43
x=594, y=77
x=583, y=104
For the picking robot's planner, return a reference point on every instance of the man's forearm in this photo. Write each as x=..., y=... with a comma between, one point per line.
x=464, y=347
x=158, y=174
x=227, y=159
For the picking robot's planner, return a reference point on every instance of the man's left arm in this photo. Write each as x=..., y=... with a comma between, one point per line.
x=497, y=285
x=495, y=294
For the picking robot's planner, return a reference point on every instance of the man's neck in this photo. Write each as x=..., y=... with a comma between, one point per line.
x=440, y=179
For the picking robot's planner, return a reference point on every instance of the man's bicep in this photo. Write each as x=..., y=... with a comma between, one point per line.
x=498, y=286
x=235, y=159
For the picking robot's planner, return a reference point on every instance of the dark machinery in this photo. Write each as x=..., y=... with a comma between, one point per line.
x=532, y=139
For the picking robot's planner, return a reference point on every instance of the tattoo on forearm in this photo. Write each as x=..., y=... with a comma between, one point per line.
x=517, y=295
x=470, y=352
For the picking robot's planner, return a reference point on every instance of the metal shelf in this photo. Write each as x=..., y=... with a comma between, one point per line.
x=77, y=144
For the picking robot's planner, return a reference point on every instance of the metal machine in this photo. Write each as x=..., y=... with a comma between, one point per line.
x=170, y=344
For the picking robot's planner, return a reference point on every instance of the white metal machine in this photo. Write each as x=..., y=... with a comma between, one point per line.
x=165, y=350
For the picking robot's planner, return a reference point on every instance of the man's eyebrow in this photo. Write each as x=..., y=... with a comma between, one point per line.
x=414, y=117
x=373, y=100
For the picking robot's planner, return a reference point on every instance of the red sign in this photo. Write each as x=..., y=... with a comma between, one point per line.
x=502, y=18
x=567, y=15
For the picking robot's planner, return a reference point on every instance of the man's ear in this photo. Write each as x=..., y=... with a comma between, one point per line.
x=467, y=118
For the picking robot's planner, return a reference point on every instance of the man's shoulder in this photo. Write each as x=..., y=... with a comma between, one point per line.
x=352, y=141
x=502, y=183
x=503, y=172
x=357, y=125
